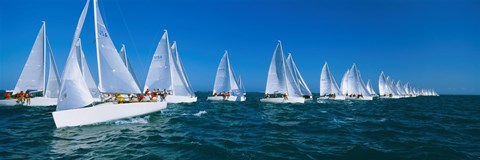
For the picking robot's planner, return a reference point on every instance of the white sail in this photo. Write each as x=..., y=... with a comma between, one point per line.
x=354, y=82
x=113, y=76
x=299, y=79
x=87, y=75
x=74, y=92
x=159, y=76
x=241, y=86
x=225, y=80
x=328, y=85
x=126, y=61
x=181, y=84
x=370, y=88
x=344, y=85
x=276, y=80
x=53, y=83
x=382, y=85
x=33, y=73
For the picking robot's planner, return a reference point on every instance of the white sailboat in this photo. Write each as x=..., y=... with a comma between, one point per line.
x=328, y=86
x=298, y=78
x=385, y=89
x=281, y=81
x=226, y=86
x=166, y=73
x=370, y=89
x=240, y=84
x=353, y=87
x=114, y=77
x=33, y=76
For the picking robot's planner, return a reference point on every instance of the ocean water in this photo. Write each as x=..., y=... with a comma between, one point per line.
x=445, y=127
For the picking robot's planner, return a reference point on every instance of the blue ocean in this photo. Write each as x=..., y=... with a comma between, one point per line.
x=444, y=127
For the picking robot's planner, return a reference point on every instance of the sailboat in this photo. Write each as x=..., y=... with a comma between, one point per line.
x=226, y=86
x=241, y=86
x=33, y=76
x=353, y=87
x=281, y=81
x=385, y=89
x=298, y=78
x=370, y=89
x=167, y=74
x=328, y=86
x=75, y=100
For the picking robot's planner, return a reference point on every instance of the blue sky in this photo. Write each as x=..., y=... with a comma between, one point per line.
x=431, y=44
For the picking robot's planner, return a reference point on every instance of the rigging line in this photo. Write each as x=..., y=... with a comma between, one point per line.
x=135, y=48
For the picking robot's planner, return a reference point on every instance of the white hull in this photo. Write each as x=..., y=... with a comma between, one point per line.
x=366, y=98
x=179, y=99
x=329, y=98
x=104, y=112
x=388, y=97
x=281, y=100
x=36, y=101
x=231, y=98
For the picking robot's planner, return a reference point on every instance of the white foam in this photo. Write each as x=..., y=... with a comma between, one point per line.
x=200, y=113
x=136, y=120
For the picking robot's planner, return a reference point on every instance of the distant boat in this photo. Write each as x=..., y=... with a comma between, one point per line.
x=298, y=78
x=370, y=89
x=33, y=76
x=328, y=86
x=226, y=86
x=281, y=81
x=114, y=77
x=240, y=84
x=385, y=88
x=353, y=87
x=166, y=73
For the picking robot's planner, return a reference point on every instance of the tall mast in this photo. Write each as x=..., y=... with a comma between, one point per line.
x=169, y=52
x=44, y=56
x=100, y=87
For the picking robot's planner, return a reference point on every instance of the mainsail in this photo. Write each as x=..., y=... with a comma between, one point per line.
x=113, y=75
x=159, y=73
x=33, y=73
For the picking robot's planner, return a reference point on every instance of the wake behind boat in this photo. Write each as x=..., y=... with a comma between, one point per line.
x=226, y=87
x=74, y=101
x=30, y=89
x=280, y=82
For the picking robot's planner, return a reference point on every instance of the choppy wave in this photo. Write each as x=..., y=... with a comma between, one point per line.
x=444, y=127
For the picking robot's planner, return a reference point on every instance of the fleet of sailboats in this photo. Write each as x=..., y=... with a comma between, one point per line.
x=80, y=100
